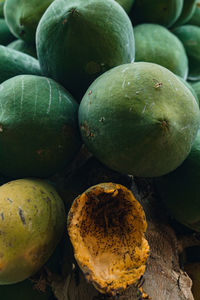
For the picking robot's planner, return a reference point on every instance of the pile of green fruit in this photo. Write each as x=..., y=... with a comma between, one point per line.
x=121, y=77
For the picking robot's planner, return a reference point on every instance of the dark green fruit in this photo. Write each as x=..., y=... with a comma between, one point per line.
x=5, y=35
x=22, y=46
x=14, y=63
x=23, y=291
x=196, y=88
x=2, y=2
x=77, y=41
x=126, y=4
x=190, y=37
x=187, y=12
x=195, y=20
x=38, y=127
x=190, y=87
x=179, y=190
x=23, y=16
x=156, y=44
x=163, y=12
x=139, y=119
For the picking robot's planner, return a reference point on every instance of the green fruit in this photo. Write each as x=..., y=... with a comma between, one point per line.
x=139, y=119
x=190, y=87
x=195, y=20
x=14, y=63
x=196, y=88
x=23, y=16
x=22, y=46
x=23, y=291
x=2, y=2
x=193, y=270
x=156, y=44
x=187, y=12
x=163, y=12
x=190, y=37
x=179, y=190
x=77, y=41
x=5, y=35
x=32, y=220
x=38, y=127
x=126, y=4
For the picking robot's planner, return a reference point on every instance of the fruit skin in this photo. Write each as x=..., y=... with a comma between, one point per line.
x=156, y=11
x=100, y=224
x=139, y=119
x=126, y=4
x=76, y=43
x=190, y=87
x=23, y=291
x=179, y=190
x=23, y=17
x=187, y=12
x=196, y=88
x=22, y=46
x=1, y=8
x=39, y=127
x=190, y=37
x=156, y=44
x=193, y=270
x=5, y=35
x=14, y=63
x=195, y=20
x=32, y=223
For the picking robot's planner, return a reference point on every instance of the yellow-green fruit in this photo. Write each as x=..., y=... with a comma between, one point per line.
x=32, y=221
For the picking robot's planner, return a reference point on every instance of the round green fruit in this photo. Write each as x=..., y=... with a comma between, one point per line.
x=6, y=36
x=38, y=127
x=179, y=190
x=32, y=220
x=156, y=44
x=139, y=119
x=187, y=12
x=22, y=46
x=163, y=12
x=79, y=40
x=13, y=63
x=195, y=20
x=190, y=37
x=23, y=16
x=126, y=4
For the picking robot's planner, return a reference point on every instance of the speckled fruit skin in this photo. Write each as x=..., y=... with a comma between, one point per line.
x=190, y=37
x=13, y=63
x=79, y=40
x=5, y=35
x=139, y=119
x=23, y=16
x=32, y=220
x=22, y=46
x=156, y=44
x=187, y=12
x=163, y=12
x=179, y=190
x=38, y=127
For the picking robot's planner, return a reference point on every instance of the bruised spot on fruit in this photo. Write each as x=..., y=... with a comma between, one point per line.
x=9, y=200
x=157, y=84
x=92, y=68
x=21, y=215
x=86, y=130
x=1, y=128
x=102, y=119
x=90, y=92
x=106, y=225
x=2, y=216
